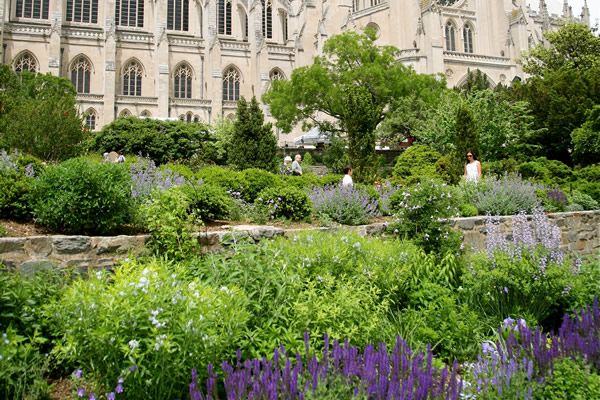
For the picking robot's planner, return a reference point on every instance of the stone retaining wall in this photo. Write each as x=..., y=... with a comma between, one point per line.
x=580, y=232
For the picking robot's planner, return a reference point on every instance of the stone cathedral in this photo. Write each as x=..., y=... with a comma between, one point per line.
x=192, y=59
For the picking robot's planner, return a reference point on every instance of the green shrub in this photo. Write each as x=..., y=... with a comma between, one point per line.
x=467, y=210
x=591, y=173
x=208, y=202
x=162, y=141
x=151, y=316
x=180, y=169
x=586, y=201
x=572, y=380
x=549, y=172
x=15, y=192
x=423, y=214
x=416, y=164
x=499, y=167
x=25, y=160
x=227, y=179
x=80, y=196
x=331, y=179
x=336, y=156
x=592, y=189
x=306, y=181
x=507, y=196
x=170, y=223
x=285, y=202
x=256, y=181
x=572, y=207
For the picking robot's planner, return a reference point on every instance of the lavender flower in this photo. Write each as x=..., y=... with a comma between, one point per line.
x=345, y=204
x=147, y=178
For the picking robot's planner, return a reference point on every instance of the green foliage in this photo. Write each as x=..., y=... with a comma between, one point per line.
x=207, y=202
x=423, y=214
x=467, y=210
x=285, y=202
x=499, y=168
x=467, y=139
x=586, y=139
x=476, y=82
x=416, y=164
x=166, y=325
x=80, y=196
x=572, y=47
x=39, y=115
x=180, y=169
x=253, y=144
x=222, y=132
x=25, y=160
x=227, y=179
x=572, y=380
x=508, y=195
x=256, y=181
x=15, y=190
x=336, y=157
x=162, y=141
x=22, y=367
x=549, y=172
x=586, y=201
x=169, y=221
x=305, y=181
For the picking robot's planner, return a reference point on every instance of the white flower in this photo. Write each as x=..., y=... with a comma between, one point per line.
x=133, y=344
x=145, y=271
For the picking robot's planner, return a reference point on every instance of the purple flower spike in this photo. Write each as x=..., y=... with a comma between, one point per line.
x=111, y=396
x=80, y=392
x=78, y=373
x=119, y=388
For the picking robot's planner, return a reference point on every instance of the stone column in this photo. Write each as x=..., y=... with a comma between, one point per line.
x=54, y=42
x=110, y=67
x=161, y=57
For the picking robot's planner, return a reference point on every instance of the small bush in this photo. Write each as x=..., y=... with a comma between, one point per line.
x=256, y=181
x=416, y=164
x=15, y=192
x=227, y=179
x=148, y=179
x=80, y=196
x=499, y=168
x=507, y=196
x=572, y=379
x=553, y=200
x=467, y=210
x=208, y=202
x=344, y=204
x=586, y=201
x=180, y=169
x=549, y=172
x=285, y=202
x=306, y=181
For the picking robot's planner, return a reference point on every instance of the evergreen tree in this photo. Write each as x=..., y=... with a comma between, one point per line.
x=467, y=139
x=253, y=144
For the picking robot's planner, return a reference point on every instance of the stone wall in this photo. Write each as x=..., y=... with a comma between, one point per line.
x=580, y=230
x=580, y=233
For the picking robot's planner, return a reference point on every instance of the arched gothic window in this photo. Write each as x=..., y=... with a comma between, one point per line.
x=276, y=74
x=188, y=118
x=145, y=114
x=82, y=11
x=132, y=79
x=450, y=37
x=80, y=75
x=267, y=19
x=224, y=17
x=284, y=26
x=231, y=85
x=25, y=62
x=468, y=38
x=178, y=15
x=182, y=82
x=129, y=13
x=447, y=2
x=35, y=9
x=125, y=113
x=90, y=120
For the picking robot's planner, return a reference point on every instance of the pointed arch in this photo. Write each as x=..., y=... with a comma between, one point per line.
x=132, y=74
x=182, y=81
x=463, y=81
x=231, y=83
x=468, y=38
x=146, y=114
x=276, y=74
x=80, y=71
x=450, y=32
x=25, y=61
x=91, y=117
x=125, y=113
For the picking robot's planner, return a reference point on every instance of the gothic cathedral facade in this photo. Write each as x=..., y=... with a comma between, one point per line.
x=192, y=59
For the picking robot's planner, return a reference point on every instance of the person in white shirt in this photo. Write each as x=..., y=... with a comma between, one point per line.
x=121, y=158
x=472, y=168
x=296, y=168
x=347, y=181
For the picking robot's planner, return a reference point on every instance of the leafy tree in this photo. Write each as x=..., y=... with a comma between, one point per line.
x=586, y=139
x=162, y=141
x=253, y=144
x=572, y=47
x=222, y=132
x=467, y=139
x=476, y=81
x=39, y=116
x=330, y=92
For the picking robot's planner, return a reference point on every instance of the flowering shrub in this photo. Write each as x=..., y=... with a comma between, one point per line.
x=207, y=202
x=340, y=372
x=80, y=196
x=529, y=364
x=527, y=276
x=554, y=200
x=149, y=316
x=507, y=196
x=422, y=216
x=344, y=204
x=385, y=190
x=285, y=202
x=16, y=184
x=586, y=201
x=147, y=178
x=258, y=180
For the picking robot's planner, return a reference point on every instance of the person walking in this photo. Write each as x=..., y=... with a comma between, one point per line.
x=286, y=168
x=472, y=168
x=121, y=158
x=296, y=167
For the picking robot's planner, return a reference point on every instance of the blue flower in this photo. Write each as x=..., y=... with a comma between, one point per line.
x=508, y=322
x=119, y=388
x=111, y=396
x=93, y=396
x=78, y=373
x=80, y=392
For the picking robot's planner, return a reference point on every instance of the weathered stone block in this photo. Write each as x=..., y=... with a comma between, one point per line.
x=466, y=223
x=31, y=267
x=119, y=244
x=12, y=245
x=39, y=246
x=72, y=244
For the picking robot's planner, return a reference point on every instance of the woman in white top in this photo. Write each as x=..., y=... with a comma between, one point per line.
x=347, y=181
x=472, y=168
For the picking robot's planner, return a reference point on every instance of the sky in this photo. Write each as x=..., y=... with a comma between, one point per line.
x=555, y=7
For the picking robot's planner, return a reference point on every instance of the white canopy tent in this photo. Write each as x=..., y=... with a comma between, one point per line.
x=313, y=136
